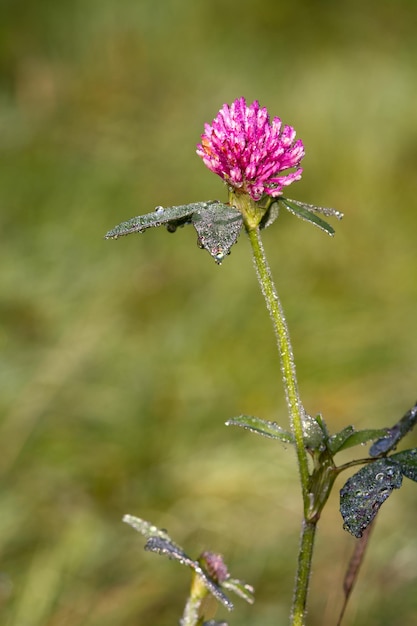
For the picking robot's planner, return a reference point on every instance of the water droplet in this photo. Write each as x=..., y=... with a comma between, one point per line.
x=380, y=476
x=159, y=210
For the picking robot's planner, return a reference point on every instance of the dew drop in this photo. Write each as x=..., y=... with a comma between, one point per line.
x=379, y=476
x=159, y=210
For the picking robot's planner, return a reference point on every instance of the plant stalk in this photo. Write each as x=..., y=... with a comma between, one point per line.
x=305, y=555
x=289, y=377
x=296, y=414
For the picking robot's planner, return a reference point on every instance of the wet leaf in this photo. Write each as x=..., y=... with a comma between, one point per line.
x=261, y=427
x=218, y=225
x=308, y=212
x=408, y=462
x=314, y=432
x=167, y=548
x=336, y=441
x=349, y=437
x=270, y=215
x=241, y=589
x=159, y=541
x=171, y=217
x=364, y=493
x=394, y=434
x=148, y=530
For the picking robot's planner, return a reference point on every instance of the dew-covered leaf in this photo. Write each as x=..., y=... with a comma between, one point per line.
x=363, y=494
x=241, y=589
x=408, y=462
x=312, y=208
x=218, y=227
x=261, y=427
x=349, y=437
x=270, y=215
x=394, y=434
x=171, y=217
x=160, y=542
x=167, y=548
x=308, y=212
x=336, y=441
x=314, y=433
x=148, y=530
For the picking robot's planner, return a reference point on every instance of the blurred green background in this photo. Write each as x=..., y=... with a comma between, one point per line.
x=121, y=361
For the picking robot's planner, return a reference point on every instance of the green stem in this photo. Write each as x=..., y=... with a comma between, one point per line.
x=289, y=376
x=198, y=592
x=305, y=556
x=296, y=414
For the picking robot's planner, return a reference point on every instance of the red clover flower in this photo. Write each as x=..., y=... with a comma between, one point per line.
x=256, y=158
x=249, y=152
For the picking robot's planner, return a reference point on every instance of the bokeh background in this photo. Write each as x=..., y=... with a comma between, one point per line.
x=121, y=360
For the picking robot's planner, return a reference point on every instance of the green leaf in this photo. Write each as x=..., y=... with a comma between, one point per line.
x=307, y=212
x=314, y=431
x=271, y=214
x=349, y=437
x=148, y=530
x=336, y=441
x=261, y=427
x=240, y=588
x=317, y=209
x=313, y=434
x=171, y=217
x=167, y=548
x=159, y=541
x=218, y=225
x=393, y=435
x=364, y=493
x=408, y=462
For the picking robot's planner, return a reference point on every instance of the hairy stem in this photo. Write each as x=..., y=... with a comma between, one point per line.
x=308, y=532
x=289, y=377
x=296, y=414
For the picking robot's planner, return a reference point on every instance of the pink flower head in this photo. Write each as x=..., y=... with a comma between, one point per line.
x=215, y=566
x=249, y=152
